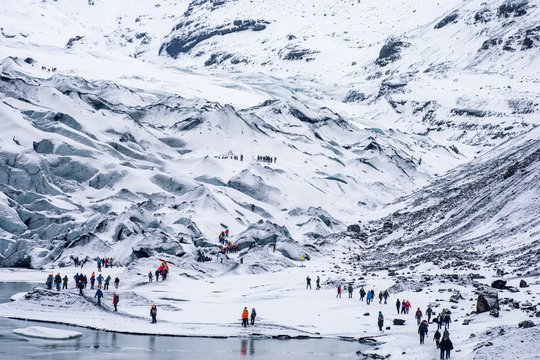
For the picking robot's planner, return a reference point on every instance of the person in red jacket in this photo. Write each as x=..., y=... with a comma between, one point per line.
x=338, y=291
x=245, y=317
x=115, y=300
x=418, y=316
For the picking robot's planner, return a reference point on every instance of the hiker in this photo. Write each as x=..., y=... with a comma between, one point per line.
x=100, y=281
x=49, y=281
x=65, y=283
x=446, y=346
x=368, y=297
x=447, y=321
x=107, y=282
x=380, y=297
x=437, y=338
x=338, y=291
x=308, y=283
x=386, y=295
x=150, y=276
x=446, y=334
x=318, y=283
x=153, y=313
x=380, y=321
x=116, y=282
x=398, y=305
x=439, y=319
x=77, y=278
x=245, y=317
x=422, y=330
x=99, y=295
x=98, y=264
x=157, y=275
x=408, y=306
x=418, y=316
x=350, y=289
x=115, y=301
x=429, y=312
x=253, y=315
x=92, y=280
x=403, y=306
x=362, y=293
x=57, y=281
x=81, y=287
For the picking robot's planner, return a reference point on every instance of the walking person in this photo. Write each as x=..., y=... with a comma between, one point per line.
x=150, y=276
x=65, y=282
x=350, y=290
x=99, y=295
x=115, y=301
x=381, y=296
x=386, y=295
x=446, y=347
x=81, y=288
x=245, y=317
x=100, y=281
x=92, y=280
x=398, y=305
x=57, y=281
x=116, y=282
x=153, y=313
x=447, y=320
x=338, y=291
x=253, y=316
x=429, y=312
x=440, y=321
x=308, y=283
x=403, y=306
x=107, y=282
x=437, y=338
x=362, y=293
x=418, y=316
x=318, y=283
x=422, y=330
x=380, y=321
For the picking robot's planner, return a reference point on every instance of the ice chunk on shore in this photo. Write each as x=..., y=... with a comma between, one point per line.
x=47, y=333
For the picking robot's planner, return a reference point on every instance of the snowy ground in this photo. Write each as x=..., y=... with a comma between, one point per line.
x=212, y=306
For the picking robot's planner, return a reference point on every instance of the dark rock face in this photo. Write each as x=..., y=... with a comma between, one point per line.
x=354, y=96
x=526, y=324
x=499, y=284
x=184, y=38
x=489, y=43
x=487, y=301
x=295, y=52
x=523, y=284
x=451, y=18
x=399, y=322
x=354, y=228
x=73, y=40
x=390, y=52
x=513, y=8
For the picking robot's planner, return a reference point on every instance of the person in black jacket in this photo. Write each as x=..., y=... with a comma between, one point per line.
x=153, y=313
x=446, y=346
x=422, y=330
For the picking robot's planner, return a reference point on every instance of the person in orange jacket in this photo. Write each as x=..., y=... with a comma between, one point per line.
x=245, y=317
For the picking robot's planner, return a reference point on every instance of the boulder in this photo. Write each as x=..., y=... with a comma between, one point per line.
x=513, y=289
x=499, y=284
x=523, y=284
x=399, y=322
x=487, y=301
x=526, y=324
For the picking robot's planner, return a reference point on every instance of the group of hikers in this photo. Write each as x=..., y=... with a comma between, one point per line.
x=104, y=262
x=246, y=317
x=268, y=159
x=443, y=342
x=162, y=270
x=232, y=157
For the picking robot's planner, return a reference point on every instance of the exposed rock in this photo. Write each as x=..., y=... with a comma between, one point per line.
x=390, y=52
x=399, y=322
x=451, y=18
x=487, y=301
x=499, y=284
x=526, y=324
x=73, y=40
x=354, y=96
x=513, y=8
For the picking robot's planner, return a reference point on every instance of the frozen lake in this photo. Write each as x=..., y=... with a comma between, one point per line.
x=105, y=345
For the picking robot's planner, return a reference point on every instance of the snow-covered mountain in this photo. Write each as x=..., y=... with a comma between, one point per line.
x=393, y=144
